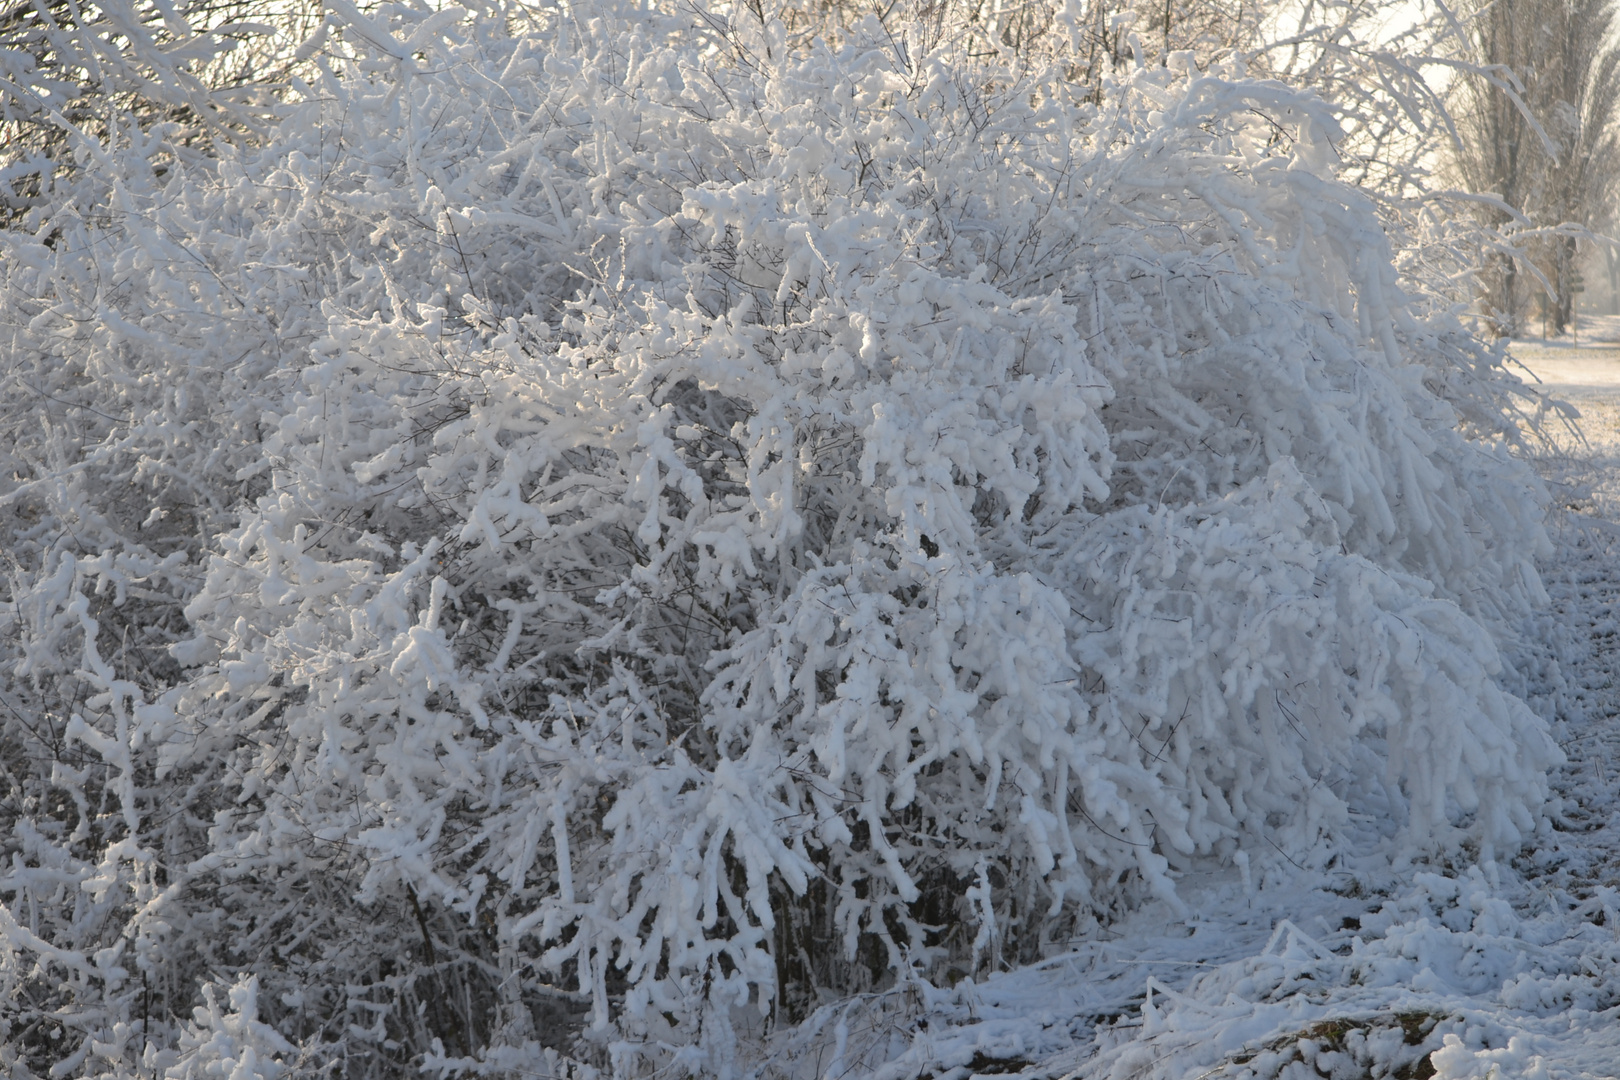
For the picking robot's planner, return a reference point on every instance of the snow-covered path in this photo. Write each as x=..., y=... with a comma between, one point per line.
x=1452, y=971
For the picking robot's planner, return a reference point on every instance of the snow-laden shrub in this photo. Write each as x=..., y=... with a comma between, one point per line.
x=628, y=521
x=232, y=1043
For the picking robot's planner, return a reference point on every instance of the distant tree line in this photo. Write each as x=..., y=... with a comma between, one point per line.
x=1550, y=150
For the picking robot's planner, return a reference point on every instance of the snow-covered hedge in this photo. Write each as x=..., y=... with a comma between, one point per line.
x=621, y=516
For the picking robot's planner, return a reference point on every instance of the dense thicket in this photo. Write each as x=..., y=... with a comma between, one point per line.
x=629, y=522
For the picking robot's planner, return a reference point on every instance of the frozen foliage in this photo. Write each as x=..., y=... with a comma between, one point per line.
x=612, y=519
x=233, y=1044
x=1463, y=975
x=1367, y=970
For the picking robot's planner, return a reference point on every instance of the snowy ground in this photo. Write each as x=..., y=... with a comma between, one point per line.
x=1588, y=364
x=1454, y=971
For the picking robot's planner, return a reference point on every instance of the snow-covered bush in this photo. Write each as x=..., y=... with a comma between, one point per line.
x=615, y=517
x=235, y=1044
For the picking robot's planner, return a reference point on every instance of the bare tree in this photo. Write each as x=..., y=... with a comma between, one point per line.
x=1549, y=147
